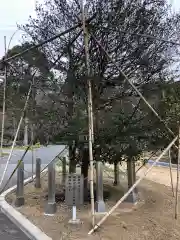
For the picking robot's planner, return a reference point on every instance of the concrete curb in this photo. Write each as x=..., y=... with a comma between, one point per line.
x=33, y=232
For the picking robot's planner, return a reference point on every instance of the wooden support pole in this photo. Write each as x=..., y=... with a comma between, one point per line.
x=90, y=112
x=177, y=183
x=170, y=171
x=131, y=189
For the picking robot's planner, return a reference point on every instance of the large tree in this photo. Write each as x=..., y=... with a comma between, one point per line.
x=122, y=27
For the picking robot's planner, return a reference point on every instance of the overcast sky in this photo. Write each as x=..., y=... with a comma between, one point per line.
x=18, y=11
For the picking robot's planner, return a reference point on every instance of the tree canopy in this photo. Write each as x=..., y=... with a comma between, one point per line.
x=123, y=123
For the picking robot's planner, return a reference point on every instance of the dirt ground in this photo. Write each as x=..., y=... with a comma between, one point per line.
x=151, y=219
x=160, y=175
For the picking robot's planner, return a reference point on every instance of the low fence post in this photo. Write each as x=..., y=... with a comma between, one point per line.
x=20, y=186
x=51, y=204
x=100, y=205
x=38, y=173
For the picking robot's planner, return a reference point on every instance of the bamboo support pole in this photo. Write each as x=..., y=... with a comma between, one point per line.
x=170, y=171
x=90, y=111
x=177, y=183
x=17, y=132
x=4, y=100
x=131, y=189
x=32, y=150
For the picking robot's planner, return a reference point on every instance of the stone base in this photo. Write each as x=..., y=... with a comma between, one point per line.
x=37, y=185
x=19, y=201
x=76, y=221
x=50, y=209
x=100, y=206
x=132, y=198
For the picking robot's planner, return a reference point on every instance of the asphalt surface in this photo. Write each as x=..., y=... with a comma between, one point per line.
x=45, y=153
x=8, y=230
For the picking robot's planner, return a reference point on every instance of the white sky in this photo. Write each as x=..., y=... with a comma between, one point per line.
x=11, y=13
x=18, y=11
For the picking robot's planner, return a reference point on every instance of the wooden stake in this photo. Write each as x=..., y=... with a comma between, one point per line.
x=90, y=111
x=132, y=188
x=177, y=183
x=170, y=169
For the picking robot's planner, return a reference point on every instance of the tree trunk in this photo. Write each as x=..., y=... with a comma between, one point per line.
x=116, y=173
x=70, y=94
x=72, y=160
x=174, y=155
x=134, y=170
x=131, y=171
x=131, y=179
x=85, y=166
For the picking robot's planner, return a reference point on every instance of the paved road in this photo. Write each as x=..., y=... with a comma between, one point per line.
x=45, y=153
x=8, y=230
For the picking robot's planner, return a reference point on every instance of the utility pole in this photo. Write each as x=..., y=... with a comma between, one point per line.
x=90, y=111
x=4, y=98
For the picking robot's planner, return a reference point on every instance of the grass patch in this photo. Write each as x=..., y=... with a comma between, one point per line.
x=36, y=146
x=4, y=154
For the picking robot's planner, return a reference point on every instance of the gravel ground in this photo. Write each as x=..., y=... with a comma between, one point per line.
x=151, y=219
